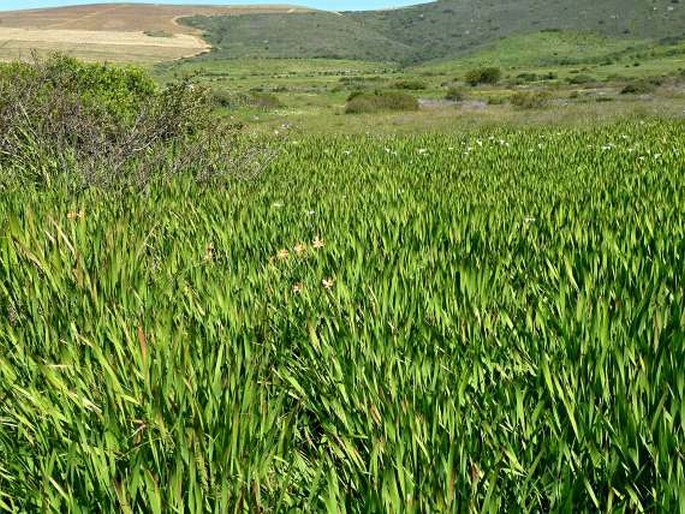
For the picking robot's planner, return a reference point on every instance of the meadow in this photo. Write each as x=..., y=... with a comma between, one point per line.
x=469, y=321
x=417, y=279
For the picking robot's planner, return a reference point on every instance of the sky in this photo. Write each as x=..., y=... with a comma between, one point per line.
x=335, y=5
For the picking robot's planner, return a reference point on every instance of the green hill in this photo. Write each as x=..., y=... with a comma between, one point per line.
x=308, y=35
x=442, y=29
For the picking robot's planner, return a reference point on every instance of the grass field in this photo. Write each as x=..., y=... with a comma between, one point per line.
x=221, y=291
x=583, y=86
x=483, y=321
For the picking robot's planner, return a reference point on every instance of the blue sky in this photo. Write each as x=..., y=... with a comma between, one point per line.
x=351, y=5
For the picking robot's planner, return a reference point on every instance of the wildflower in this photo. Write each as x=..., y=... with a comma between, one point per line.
x=422, y=151
x=209, y=252
x=300, y=248
x=283, y=254
x=318, y=243
x=298, y=287
x=328, y=282
x=73, y=215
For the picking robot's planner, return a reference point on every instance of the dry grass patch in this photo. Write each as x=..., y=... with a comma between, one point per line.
x=114, y=32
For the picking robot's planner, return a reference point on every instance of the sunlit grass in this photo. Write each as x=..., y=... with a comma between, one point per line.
x=485, y=322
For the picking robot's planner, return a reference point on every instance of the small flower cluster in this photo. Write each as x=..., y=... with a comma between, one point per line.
x=75, y=215
x=301, y=249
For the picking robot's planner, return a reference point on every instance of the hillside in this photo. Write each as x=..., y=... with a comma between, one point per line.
x=317, y=34
x=114, y=32
x=435, y=30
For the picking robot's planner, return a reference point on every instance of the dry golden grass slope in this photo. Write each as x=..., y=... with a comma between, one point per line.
x=112, y=32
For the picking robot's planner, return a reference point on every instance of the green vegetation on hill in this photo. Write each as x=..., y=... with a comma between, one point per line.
x=435, y=30
x=306, y=35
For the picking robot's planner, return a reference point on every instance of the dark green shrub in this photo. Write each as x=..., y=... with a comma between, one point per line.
x=485, y=75
x=410, y=85
x=252, y=99
x=638, y=87
x=226, y=99
x=455, y=94
x=380, y=101
x=84, y=125
x=265, y=101
x=496, y=100
x=530, y=99
x=523, y=78
x=116, y=91
x=581, y=78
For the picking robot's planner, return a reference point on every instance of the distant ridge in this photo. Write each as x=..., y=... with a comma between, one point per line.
x=424, y=32
x=441, y=29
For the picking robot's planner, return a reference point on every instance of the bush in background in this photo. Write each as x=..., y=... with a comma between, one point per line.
x=410, y=85
x=84, y=124
x=359, y=102
x=485, y=75
x=639, y=87
x=530, y=99
x=581, y=78
x=455, y=94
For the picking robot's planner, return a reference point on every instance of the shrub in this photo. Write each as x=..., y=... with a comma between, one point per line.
x=485, y=75
x=265, y=101
x=455, y=94
x=359, y=102
x=96, y=125
x=530, y=99
x=522, y=78
x=638, y=87
x=581, y=78
x=496, y=100
x=410, y=85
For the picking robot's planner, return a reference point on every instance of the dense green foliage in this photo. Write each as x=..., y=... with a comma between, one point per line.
x=530, y=99
x=484, y=75
x=92, y=124
x=492, y=321
x=359, y=102
x=441, y=29
x=118, y=91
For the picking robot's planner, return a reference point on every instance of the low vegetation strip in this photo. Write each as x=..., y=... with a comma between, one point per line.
x=490, y=321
